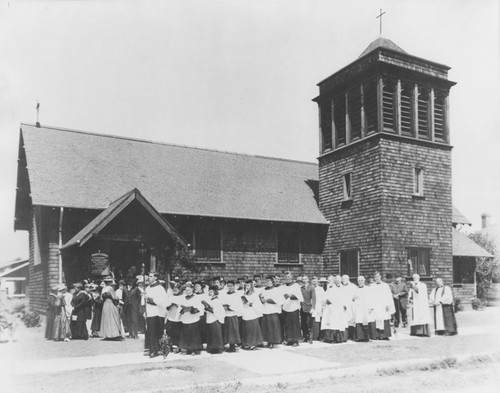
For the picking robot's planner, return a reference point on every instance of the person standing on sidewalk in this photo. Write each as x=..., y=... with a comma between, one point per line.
x=441, y=298
x=400, y=295
x=306, y=306
x=156, y=309
x=291, y=308
x=419, y=312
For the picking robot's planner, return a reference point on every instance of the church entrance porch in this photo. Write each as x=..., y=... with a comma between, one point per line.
x=125, y=240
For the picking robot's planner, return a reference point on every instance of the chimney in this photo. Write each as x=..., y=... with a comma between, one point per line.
x=485, y=220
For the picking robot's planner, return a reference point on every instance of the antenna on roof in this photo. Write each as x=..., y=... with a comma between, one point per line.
x=38, y=114
x=380, y=16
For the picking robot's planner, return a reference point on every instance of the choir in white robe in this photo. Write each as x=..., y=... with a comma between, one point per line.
x=383, y=308
x=363, y=314
x=335, y=315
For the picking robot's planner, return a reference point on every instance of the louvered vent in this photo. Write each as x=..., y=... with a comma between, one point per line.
x=406, y=112
x=388, y=106
x=339, y=118
x=370, y=106
x=423, y=114
x=354, y=107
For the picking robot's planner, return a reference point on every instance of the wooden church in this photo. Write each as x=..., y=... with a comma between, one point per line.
x=379, y=197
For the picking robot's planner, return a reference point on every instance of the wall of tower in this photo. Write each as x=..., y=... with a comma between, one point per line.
x=416, y=221
x=354, y=224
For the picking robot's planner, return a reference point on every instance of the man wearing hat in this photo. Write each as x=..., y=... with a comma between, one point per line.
x=156, y=309
x=79, y=315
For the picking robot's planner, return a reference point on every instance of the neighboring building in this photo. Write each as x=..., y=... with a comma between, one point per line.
x=380, y=198
x=14, y=278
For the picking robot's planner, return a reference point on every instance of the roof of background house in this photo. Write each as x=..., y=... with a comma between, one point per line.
x=465, y=247
x=85, y=170
x=458, y=218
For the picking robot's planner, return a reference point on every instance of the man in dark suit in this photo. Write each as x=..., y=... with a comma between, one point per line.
x=80, y=304
x=306, y=319
x=400, y=295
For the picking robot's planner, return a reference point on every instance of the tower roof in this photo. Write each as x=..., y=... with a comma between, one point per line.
x=382, y=43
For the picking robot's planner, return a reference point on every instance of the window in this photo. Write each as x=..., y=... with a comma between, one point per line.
x=288, y=247
x=354, y=108
x=326, y=125
x=418, y=181
x=349, y=263
x=418, y=261
x=406, y=110
x=423, y=114
x=19, y=288
x=339, y=118
x=388, y=106
x=439, y=117
x=346, y=186
x=370, y=106
x=207, y=244
x=464, y=270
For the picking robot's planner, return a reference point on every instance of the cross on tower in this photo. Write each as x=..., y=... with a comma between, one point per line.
x=380, y=16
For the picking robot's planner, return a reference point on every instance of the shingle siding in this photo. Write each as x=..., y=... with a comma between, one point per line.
x=384, y=217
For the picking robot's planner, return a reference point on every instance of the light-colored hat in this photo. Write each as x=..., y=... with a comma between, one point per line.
x=322, y=279
x=61, y=287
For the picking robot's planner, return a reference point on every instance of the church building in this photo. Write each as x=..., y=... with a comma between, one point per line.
x=379, y=197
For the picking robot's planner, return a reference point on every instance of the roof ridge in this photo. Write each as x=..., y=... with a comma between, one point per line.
x=168, y=144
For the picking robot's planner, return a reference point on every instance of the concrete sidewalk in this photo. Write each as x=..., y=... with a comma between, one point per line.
x=282, y=359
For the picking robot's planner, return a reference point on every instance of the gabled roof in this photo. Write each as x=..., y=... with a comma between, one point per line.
x=7, y=268
x=84, y=170
x=458, y=218
x=465, y=247
x=114, y=209
x=382, y=43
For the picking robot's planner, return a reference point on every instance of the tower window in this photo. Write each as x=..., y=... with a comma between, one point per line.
x=346, y=186
x=349, y=263
x=423, y=114
x=288, y=247
x=388, y=106
x=354, y=108
x=339, y=118
x=370, y=106
x=418, y=181
x=439, y=117
x=406, y=111
x=326, y=125
x=418, y=261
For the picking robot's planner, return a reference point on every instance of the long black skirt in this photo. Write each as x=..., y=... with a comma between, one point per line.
x=252, y=336
x=231, y=330
x=190, y=338
x=173, y=329
x=214, y=336
x=372, y=330
x=450, y=322
x=420, y=330
x=385, y=333
x=271, y=329
x=79, y=330
x=335, y=336
x=361, y=332
x=292, y=326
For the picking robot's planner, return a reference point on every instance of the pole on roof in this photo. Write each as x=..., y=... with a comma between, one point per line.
x=38, y=114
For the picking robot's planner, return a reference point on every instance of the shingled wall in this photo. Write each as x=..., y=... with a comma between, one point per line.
x=384, y=217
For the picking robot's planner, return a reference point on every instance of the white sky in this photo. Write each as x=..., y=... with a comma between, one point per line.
x=235, y=75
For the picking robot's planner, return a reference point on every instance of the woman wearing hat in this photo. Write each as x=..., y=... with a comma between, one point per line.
x=110, y=320
x=51, y=313
x=61, y=321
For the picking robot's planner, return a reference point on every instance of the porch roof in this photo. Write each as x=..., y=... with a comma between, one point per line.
x=107, y=215
x=465, y=247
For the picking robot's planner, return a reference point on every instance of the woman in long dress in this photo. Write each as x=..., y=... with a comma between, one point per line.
x=110, y=320
x=61, y=321
x=51, y=313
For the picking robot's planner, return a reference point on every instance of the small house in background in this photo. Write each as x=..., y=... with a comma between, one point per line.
x=14, y=278
x=465, y=258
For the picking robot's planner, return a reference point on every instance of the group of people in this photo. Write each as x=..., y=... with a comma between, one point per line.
x=222, y=315
x=90, y=309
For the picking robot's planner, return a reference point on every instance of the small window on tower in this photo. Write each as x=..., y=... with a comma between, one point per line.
x=418, y=181
x=346, y=183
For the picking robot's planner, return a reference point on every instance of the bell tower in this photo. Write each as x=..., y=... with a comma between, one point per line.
x=385, y=165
